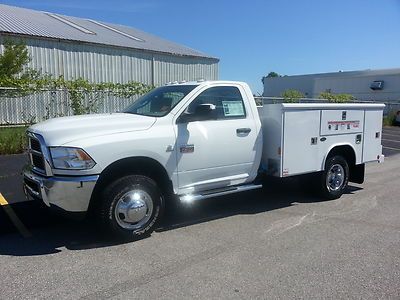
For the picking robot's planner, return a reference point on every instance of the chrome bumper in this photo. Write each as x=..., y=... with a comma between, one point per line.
x=71, y=194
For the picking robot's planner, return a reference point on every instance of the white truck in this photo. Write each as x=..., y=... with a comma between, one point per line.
x=193, y=141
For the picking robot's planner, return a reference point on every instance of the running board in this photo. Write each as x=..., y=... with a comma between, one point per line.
x=218, y=192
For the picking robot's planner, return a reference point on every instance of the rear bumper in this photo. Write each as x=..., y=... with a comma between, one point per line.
x=70, y=194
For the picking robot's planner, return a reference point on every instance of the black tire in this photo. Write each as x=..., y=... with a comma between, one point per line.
x=121, y=190
x=332, y=187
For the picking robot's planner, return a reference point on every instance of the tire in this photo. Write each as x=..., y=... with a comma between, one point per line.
x=131, y=207
x=335, y=177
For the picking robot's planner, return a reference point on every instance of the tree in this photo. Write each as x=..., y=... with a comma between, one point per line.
x=337, y=98
x=291, y=95
x=273, y=74
x=13, y=60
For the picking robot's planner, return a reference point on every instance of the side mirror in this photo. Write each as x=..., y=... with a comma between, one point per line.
x=201, y=112
x=204, y=110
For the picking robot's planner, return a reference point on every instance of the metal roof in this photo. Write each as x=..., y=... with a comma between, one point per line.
x=22, y=21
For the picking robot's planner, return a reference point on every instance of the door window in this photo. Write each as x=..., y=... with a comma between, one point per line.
x=227, y=100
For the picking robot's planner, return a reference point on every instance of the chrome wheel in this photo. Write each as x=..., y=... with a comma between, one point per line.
x=335, y=177
x=133, y=209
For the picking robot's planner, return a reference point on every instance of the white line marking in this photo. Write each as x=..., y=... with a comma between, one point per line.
x=391, y=140
x=390, y=148
x=397, y=135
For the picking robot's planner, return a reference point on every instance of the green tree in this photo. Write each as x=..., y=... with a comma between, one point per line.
x=273, y=74
x=291, y=95
x=337, y=98
x=13, y=70
x=13, y=59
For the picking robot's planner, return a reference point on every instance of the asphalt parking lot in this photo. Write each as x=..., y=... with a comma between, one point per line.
x=277, y=243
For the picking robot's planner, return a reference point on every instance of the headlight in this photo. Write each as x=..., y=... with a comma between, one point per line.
x=71, y=158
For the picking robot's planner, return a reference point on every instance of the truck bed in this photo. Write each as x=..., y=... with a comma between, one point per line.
x=299, y=136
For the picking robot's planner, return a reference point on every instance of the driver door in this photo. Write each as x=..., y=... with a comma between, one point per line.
x=217, y=151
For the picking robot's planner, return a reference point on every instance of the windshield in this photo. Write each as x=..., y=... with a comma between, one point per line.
x=160, y=101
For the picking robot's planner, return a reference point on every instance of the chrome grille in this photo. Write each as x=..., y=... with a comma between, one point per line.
x=36, y=155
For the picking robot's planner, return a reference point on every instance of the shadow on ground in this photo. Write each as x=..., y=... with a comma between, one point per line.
x=51, y=232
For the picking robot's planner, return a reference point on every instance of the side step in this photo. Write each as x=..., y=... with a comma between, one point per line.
x=218, y=192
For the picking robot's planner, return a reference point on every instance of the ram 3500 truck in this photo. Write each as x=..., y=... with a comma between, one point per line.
x=193, y=140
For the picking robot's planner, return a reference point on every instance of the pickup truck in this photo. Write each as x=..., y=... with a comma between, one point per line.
x=192, y=141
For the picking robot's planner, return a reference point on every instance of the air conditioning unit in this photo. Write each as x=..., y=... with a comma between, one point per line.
x=377, y=85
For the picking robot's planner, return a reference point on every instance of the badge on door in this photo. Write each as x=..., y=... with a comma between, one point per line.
x=187, y=149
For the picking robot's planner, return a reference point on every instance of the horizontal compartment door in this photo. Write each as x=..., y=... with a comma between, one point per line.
x=342, y=121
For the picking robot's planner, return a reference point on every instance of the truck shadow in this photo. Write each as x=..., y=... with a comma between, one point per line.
x=279, y=194
x=73, y=235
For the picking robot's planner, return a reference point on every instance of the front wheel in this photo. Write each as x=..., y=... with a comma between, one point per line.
x=334, y=178
x=131, y=206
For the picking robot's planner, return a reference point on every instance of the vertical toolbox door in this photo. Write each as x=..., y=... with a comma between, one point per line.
x=300, y=146
x=372, y=147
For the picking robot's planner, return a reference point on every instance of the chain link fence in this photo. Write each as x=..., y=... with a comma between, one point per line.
x=17, y=108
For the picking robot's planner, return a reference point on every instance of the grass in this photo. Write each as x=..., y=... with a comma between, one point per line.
x=12, y=140
x=389, y=119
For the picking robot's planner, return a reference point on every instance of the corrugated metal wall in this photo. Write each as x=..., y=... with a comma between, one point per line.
x=99, y=63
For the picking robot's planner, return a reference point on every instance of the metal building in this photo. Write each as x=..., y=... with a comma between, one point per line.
x=101, y=52
x=367, y=85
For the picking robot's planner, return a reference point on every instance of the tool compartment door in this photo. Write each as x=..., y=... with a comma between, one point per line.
x=300, y=145
x=372, y=135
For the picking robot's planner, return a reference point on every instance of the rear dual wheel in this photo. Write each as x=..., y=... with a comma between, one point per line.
x=335, y=177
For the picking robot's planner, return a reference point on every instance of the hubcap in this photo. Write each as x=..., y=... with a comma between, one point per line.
x=133, y=209
x=335, y=177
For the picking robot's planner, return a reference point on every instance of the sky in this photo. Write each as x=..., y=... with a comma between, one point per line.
x=253, y=38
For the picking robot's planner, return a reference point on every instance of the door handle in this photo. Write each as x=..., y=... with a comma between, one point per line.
x=243, y=130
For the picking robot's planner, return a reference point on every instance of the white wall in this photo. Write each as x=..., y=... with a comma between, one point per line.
x=356, y=83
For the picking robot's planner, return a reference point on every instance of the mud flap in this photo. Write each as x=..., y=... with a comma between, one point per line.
x=357, y=173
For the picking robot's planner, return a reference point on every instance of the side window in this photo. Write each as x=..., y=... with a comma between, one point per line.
x=227, y=99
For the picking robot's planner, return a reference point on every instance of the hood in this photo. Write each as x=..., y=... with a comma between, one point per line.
x=59, y=131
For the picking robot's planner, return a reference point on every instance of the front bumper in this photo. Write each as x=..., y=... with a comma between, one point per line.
x=69, y=193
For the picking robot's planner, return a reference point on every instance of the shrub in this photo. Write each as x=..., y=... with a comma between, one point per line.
x=12, y=140
x=292, y=95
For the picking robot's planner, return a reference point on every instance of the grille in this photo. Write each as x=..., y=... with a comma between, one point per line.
x=35, y=145
x=37, y=159
x=33, y=185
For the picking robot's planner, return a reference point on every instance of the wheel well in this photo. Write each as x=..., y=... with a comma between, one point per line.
x=346, y=151
x=132, y=166
x=357, y=172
